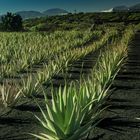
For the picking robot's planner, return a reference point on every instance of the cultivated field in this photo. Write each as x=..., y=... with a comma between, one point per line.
x=61, y=85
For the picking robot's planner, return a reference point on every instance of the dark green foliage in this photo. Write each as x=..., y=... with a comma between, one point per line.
x=80, y=21
x=12, y=22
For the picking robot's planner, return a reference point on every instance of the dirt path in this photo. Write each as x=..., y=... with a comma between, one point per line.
x=122, y=119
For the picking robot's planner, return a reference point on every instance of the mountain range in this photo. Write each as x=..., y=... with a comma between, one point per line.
x=58, y=11
x=36, y=14
x=123, y=8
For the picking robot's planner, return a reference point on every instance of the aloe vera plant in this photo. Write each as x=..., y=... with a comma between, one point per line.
x=63, y=117
x=9, y=95
x=29, y=86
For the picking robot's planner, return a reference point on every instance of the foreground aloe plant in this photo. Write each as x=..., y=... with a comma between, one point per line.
x=63, y=117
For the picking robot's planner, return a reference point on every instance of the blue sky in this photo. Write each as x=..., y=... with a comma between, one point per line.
x=70, y=5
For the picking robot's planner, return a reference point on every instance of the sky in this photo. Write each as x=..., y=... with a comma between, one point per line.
x=69, y=5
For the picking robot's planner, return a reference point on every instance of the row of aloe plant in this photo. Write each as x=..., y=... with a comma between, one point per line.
x=33, y=83
x=19, y=51
x=74, y=110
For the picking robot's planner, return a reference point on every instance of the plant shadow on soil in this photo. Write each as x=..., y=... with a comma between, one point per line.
x=13, y=121
x=117, y=124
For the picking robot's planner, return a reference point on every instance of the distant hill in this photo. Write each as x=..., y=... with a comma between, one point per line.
x=36, y=14
x=123, y=8
x=135, y=8
x=30, y=14
x=120, y=9
x=55, y=11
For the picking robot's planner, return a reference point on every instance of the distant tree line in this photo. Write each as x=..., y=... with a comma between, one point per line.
x=12, y=22
x=79, y=21
x=76, y=21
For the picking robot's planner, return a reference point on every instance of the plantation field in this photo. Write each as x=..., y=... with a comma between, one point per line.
x=69, y=85
x=121, y=119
